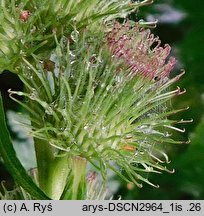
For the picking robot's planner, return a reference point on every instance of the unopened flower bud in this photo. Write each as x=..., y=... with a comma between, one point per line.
x=25, y=15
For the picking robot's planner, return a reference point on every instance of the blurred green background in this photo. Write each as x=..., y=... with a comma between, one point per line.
x=181, y=24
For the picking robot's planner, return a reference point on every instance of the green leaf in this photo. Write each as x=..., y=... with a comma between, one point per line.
x=12, y=163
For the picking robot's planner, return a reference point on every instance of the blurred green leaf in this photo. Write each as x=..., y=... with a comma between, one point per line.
x=11, y=161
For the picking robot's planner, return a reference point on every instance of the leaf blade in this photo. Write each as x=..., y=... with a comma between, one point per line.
x=12, y=163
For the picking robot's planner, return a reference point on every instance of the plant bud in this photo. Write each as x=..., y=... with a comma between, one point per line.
x=25, y=15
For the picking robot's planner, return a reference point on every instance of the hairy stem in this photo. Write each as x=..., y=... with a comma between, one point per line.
x=44, y=157
x=58, y=177
x=52, y=171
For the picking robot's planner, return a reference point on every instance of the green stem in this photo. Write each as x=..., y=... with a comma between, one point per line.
x=44, y=157
x=52, y=171
x=76, y=184
x=58, y=177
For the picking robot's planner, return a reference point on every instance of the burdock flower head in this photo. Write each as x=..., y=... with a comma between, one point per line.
x=106, y=101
